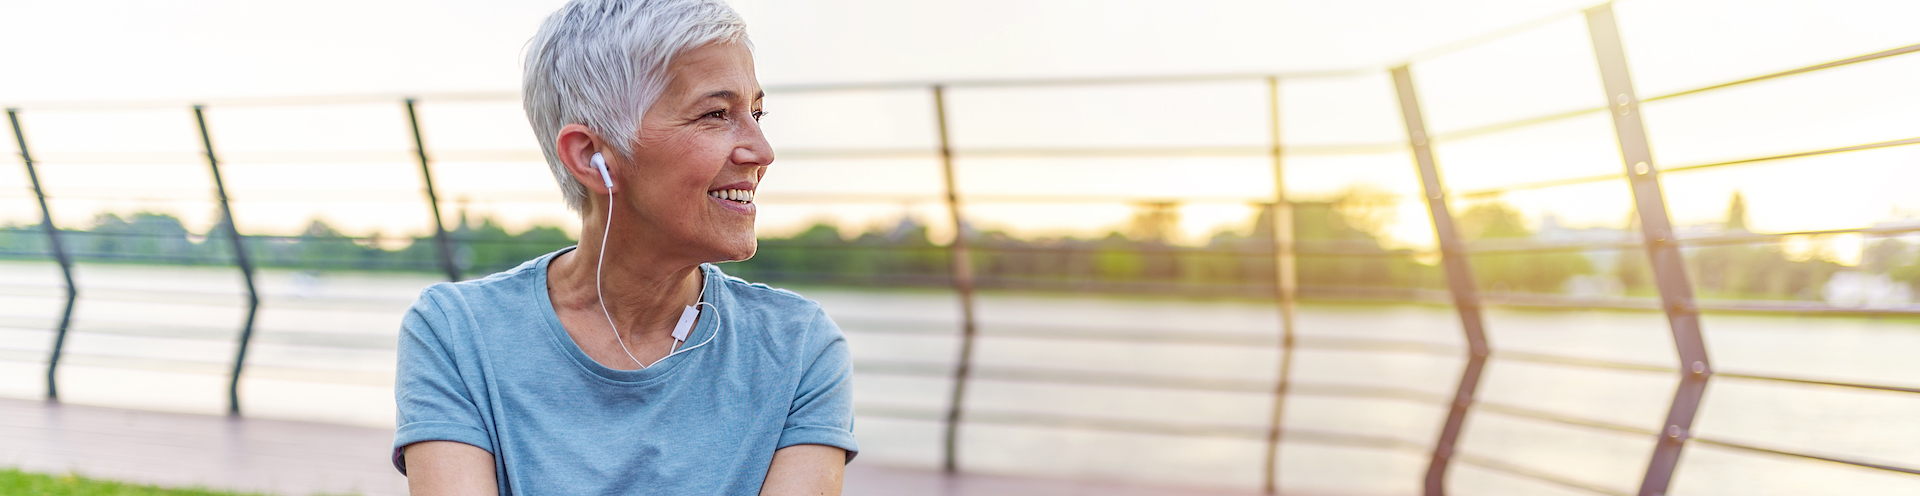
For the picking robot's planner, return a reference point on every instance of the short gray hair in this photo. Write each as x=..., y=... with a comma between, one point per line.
x=603, y=63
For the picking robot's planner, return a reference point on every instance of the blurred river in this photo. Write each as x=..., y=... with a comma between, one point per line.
x=161, y=338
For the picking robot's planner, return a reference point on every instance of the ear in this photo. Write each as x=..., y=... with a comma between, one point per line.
x=577, y=144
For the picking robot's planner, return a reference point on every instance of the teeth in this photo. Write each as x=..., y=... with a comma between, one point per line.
x=738, y=195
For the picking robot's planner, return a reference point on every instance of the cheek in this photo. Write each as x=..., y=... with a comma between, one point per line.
x=686, y=169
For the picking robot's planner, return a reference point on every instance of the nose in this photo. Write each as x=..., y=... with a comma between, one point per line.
x=753, y=148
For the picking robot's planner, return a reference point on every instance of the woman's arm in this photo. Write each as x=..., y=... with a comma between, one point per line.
x=436, y=468
x=803, y=470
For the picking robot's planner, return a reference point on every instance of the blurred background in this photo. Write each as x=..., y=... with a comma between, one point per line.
x=1112, y=172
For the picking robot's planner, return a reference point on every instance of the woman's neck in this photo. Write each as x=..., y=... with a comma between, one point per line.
x=642, y=290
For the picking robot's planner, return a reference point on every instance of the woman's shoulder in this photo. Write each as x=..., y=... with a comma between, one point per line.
x=759, y=294
x=497, y=292
x=779, y=311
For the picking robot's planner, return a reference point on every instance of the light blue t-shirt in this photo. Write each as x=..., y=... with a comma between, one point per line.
x=487, y=363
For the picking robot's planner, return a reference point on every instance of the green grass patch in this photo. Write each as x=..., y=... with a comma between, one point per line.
x=15, y=482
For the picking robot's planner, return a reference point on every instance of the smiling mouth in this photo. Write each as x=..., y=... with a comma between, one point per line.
x=742, y=196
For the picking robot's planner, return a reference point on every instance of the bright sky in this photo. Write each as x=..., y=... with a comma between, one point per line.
x=349, y=163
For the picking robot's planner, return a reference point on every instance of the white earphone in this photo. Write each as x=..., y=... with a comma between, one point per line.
x=687, y=316
x=600, y=162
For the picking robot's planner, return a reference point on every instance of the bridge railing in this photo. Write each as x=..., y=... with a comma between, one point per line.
x=1268, y=262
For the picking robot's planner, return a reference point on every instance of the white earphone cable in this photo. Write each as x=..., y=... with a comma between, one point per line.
x=597, y=293
x=596, y=283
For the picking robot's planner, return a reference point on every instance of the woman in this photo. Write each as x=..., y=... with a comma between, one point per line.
x=628, y=364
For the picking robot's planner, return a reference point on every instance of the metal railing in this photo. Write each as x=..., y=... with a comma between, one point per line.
x=1675, y=297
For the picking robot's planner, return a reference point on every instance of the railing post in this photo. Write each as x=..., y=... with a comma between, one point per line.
x=433, y=197
x=962, y=284
x=239, y=256
x=1286, y=288
x=1669, y=269
x=59, y=253
x=1460, y=282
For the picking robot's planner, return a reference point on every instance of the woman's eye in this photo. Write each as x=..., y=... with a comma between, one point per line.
x=757, y=114
x=720, y=114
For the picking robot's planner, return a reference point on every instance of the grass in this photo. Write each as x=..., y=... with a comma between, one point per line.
x=15, y=482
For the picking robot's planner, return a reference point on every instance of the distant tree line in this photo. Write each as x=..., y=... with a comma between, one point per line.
x=155, y=238
x=1142, y=260
x=1338, y=242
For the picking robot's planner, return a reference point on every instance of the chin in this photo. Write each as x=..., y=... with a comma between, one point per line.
x=740, y=250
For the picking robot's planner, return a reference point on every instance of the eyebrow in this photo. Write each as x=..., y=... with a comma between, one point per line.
x=729, y=95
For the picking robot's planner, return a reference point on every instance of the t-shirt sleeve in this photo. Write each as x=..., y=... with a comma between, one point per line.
x=822, y=409
x=431, y=399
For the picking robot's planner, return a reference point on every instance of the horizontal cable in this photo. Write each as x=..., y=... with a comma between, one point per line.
x=270, y=300
x=970, y=200
x=1544, y=358
x=255, y=370
x=1815, y=382
x=1765, y=306
x=179, y=260
x=1525, y=245
x=514, y=96
x=342, y=340
x=1829, y=65
x=1150, y=381
x=458, y=157
x=1334, y=438
x=1260, y=151
x=1376, y=344
x=504, y=96
x=828, y=198
x=1500, y=190
x=1545, y=300
x=1608, y=426
x=1113, y=152
x=1843, y=149
x=1528, y=413
x=1339, y=390
x=1537, y=475
x=184, y=198
x=1036, y=419
x=183, y=158
x=281, y=101
x=1507, y=246
x=1170, y=250
x=1515, y=124
x=1496, y=191
x=1074, y=377
x=1494, y=128
x=1063, y=421
x=127, y=362
x=268, y=261
x=1066, y=81
x=1745, y=238
x=1106, y=334
x=946, y=328
x=219, y=234
x=1805, y=456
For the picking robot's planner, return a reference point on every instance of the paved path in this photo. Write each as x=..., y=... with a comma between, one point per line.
x=301, y=458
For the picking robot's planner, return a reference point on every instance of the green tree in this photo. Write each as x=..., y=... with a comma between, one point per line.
x=1531, y=271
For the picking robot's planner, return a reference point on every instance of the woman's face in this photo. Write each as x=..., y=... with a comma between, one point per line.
x=701, y=156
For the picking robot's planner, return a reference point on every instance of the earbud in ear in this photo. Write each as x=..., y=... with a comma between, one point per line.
x=600, y=162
